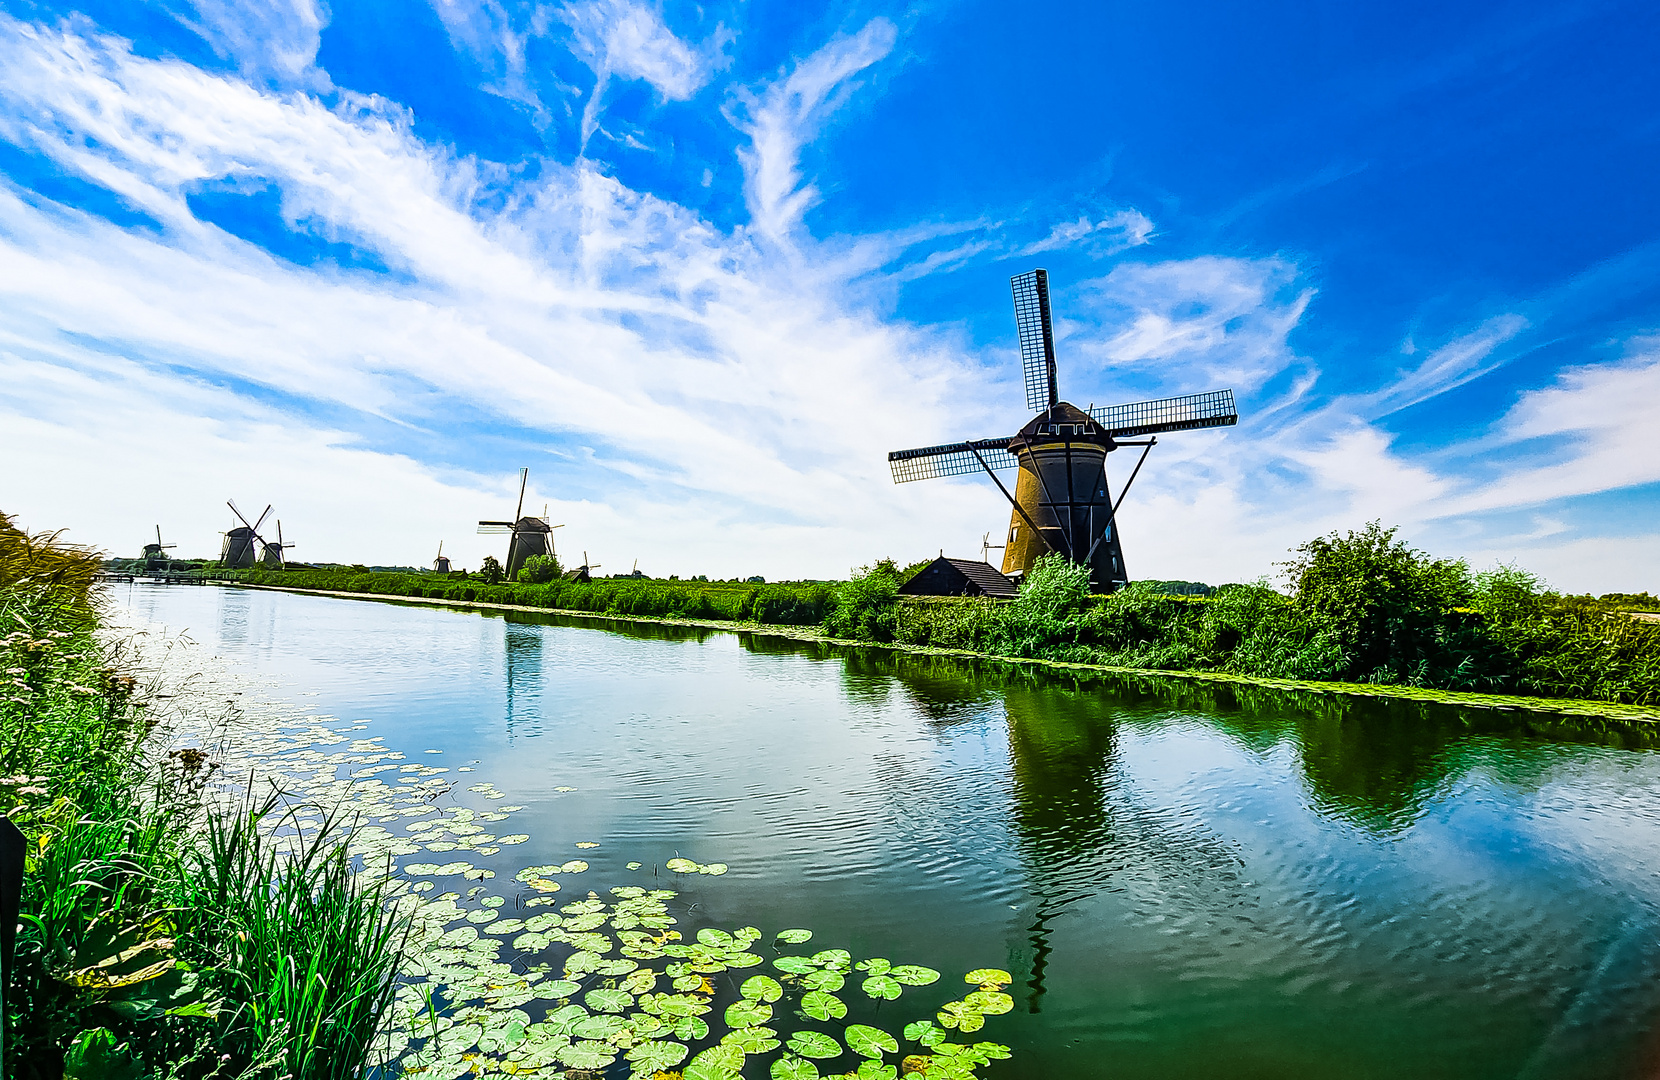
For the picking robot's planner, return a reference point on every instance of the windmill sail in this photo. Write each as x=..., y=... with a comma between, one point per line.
x=1037, y=338
x=1208, y=410
x=954, y=459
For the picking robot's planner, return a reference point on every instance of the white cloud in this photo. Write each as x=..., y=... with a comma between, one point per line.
x=1114, y=233
x=785, y=115
x=273, y=42
x=1452, y=365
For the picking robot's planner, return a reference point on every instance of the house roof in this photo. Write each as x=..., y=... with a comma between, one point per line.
x=948, y=577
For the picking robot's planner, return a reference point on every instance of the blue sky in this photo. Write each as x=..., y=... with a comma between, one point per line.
x=700, y=267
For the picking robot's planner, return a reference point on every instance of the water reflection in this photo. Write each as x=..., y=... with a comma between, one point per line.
x=522, y=664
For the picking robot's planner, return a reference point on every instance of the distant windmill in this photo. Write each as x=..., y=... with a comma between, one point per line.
x=585, y=572
x=238, y=550
x=1061, y=501
x=440, y=565
x=155, y=555
x=632, y=573
x=274, y=556
x=530, y=535
x=987, y=547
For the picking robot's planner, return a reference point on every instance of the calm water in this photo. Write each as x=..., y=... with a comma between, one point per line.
x=1185, y=882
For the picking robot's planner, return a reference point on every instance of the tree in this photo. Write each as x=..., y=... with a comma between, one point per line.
x=539, y=569
x=490, y=570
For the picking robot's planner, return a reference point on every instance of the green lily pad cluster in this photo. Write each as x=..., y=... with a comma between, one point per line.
x=688, y=866
x=609, y=982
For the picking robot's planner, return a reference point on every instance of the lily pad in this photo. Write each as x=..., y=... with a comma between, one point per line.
x=558, y=988
x=823, y=980
x=835, y=959
x=611, y=1001
x=575, y=866
x=747, y=1013
x=587, y=1055
x=690, y=1028
x=790, y=1067
x=870, y=1042
x=599, y=1027
x=989, y=978
x=714, y=869
x=794, y=965
x=814, y=1044
x=681, y=866
x=634, y=865
x=795, y=937
x=761, y=988
x=753, y=1040
x=913, y=975
x=925, y=1032
x=882, y=986
x=823, y=1006
x=874, y=966
x=990, y=1002
x=870, y=1069
x=656, y=1056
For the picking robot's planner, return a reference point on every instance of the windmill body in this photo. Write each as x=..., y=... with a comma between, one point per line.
x=1062, y=502
x=155, y=555
x=441, y=564
x=238, y=551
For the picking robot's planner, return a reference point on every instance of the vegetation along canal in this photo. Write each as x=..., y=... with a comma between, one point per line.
x=1181, y=881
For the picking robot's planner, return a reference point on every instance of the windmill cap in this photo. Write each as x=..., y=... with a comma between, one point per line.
x=1063, y=420
x=533, y=524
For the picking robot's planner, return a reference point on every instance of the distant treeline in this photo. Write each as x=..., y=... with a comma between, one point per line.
x=1359, y=607
x=782, y=603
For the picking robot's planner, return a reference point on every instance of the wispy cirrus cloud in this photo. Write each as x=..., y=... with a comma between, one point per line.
x=783, y=116
x=273, y=42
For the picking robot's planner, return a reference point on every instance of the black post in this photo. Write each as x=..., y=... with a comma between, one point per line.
x=12, y=846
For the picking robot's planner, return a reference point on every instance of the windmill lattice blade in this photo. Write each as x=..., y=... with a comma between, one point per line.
x=494, y=530
x=262, y=518
x=1212, y=409
x=954, y=459
x=1037, y=338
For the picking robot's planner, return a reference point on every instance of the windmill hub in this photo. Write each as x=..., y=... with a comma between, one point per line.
x=1062, y=502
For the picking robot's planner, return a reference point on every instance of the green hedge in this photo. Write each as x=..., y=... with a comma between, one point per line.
x=780, y=604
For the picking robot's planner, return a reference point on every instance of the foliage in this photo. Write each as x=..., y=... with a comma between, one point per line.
x=539, y=570
x=133, y=951
x=865, y=606
x=490, y=571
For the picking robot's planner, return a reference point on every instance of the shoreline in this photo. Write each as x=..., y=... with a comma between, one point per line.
x=1603, y=710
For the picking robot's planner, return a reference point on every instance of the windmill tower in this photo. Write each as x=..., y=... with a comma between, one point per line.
x=440, y=565
x=530, y=535
x=273, y=557
x=1062, y=502
x=155, y=555
x=238, y=550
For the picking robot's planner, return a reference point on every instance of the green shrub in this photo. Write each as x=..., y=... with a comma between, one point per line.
x=539, y=569
x=864, y=607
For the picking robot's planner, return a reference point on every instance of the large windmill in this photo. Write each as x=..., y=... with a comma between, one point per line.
x=1062, y=502
x=530, y=535
x=274, y=556
x=155, y=555
x=238, y=550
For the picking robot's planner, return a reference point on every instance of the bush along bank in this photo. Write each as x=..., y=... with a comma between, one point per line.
x=1362, y=607
x=780, y=604
x=162, y=934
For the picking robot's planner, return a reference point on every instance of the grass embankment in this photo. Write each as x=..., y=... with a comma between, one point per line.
x=161, y=934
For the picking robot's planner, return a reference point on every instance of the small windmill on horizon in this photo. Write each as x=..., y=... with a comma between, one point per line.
x=529, y=535
x=275, y=556
x=155, y=555
x=1062, y=502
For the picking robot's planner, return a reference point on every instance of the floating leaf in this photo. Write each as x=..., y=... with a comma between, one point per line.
x=925, y=1032
x=599, y=1027
x=874, y=966
x=794, y=965
x=822, y=1006
x=681, y=866
x=795, y=937
x=820, y=979
x=586, y=844
x=690, y=981
x=575, y=866
x=870, y=1042
x=558, y=988
x=635, y=865
x=815, y=1044
x=989, y=978
x=656, y=1056
x=747, y=1013
x=991, y=1051
x=990, y=1002
x=965, y=1018
x=690, y=1028
x=516, y=838
x=714, y=869
x=794, y=1068
x=753, y=1040
x=875, y=1070
x=493, y=901
x=882, y=986
x=835, y=959
x=587, y=1055
x=611, y=1001
x=912, y=975
x=761, y=988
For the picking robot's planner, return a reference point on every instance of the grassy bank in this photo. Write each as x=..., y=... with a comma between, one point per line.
x=162, y=933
